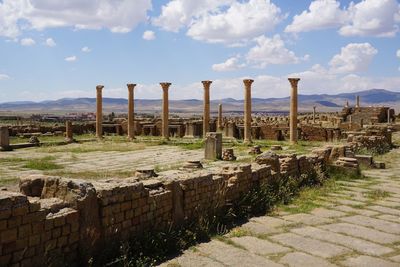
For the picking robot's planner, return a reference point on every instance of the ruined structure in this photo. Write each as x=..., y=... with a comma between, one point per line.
x=293, y=110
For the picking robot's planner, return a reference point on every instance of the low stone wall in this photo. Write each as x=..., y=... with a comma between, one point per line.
x=57, y=220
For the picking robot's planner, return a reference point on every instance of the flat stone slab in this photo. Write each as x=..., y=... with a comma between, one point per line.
x=396, y=258
x=232, y=256
x=385, y=210
x=307, y=219
x=381, y=225
x=362, y=232
x=274, y=222
x=260, y=228
x=364, y=212
x=192, y=259
x=350, y=202
x=259, y=246
x=312, y=246
x=356, y=244
x=300, y=259
x=367, y=261
x=389, y=217
x=327, y=213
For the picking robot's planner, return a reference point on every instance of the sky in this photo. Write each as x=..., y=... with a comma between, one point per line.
x=51, y=49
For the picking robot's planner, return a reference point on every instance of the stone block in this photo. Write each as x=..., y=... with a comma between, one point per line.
x=213, y=146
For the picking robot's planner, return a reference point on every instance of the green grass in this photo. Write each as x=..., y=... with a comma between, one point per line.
x=42, y=164
x=8, y=180
x=12, y=160
x=377, y=194
x=90, y=175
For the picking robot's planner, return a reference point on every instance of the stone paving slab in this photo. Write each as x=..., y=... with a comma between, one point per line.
x=367, y=261
x=381, y=225
x=307, y=219
x=232, y=256
x=327, y=213
x=192, y=259
x=300, y=259
x=349, y=209
x=356, y=244
x=362, y=232
x=389, y=217
x=260, y=228
x=385, y=210
x=259, y=246
x=309, y=245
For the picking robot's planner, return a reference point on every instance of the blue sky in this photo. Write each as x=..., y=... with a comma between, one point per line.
x=51, y=49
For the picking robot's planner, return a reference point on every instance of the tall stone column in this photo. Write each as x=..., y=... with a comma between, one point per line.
x=165, y=111
x=388, y=116
x=206, y=107
x=99, y=112
x=219, y=122
x=131, y=111
x=357, y=101
x=293, y=110
x=247, y=110
x=313, y=114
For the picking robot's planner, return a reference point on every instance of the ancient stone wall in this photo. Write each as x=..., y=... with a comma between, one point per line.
x=57, y=220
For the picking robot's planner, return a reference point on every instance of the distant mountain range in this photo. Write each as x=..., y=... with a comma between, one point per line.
x=324, y=102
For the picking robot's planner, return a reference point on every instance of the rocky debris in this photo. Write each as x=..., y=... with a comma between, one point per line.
x=228, y=154
x=145, y=173
x=276, y=147
x=269, y=158
x=193, y=164
x=34, y=140
x=347, y=162
x=32, y=185
x=255, y=150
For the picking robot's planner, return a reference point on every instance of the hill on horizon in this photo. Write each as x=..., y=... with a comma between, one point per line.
x=324, y=102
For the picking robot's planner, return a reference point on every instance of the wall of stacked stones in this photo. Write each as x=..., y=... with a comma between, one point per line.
x=59, y=220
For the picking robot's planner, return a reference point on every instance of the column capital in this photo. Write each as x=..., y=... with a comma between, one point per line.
x=165, y=85
x=131, y=86
x=206, y=84
x=99, y=87
x=294, y=81
x=248, y=82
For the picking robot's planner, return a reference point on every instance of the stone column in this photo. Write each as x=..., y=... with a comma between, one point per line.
x=357, y=101
x=4, y=139
x=206, y=107
x=219, y=122
x=247, y=110
x=293, y=110
x=69, y=133
x=388, y=116
x=165, y=111
x=131, y=111
x=99, y=113
x=313, y=115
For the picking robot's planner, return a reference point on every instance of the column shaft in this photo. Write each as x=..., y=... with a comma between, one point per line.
x=293, y=110
x=131, y=111
x=206, y=107
x=247, y=110
x=219, y=122
x=99, y=112
x=165, y=111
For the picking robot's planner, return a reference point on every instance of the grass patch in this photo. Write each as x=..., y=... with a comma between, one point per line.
x=106, y=146
x=377, y=194
x=42, y=164
x=92, y=175
x=8, y=180
x=239, y=232
x=12, y=160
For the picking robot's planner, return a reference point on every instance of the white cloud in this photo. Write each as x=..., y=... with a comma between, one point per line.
x=27, y=42
x=398, y=53
x=4, y=77
x=86, y=49
x=270, y=51
x=378, y=18
x=230, y=64
x=50, y=42
x=238, y=23
x=354, y=57
x=149, y=35
x=177, y=14
x=117, y=16
x=321, y=14
x=71, y=59
x=372, y=18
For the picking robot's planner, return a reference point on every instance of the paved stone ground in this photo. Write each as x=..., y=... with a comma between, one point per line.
x=352, y=228
x=123, y=157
